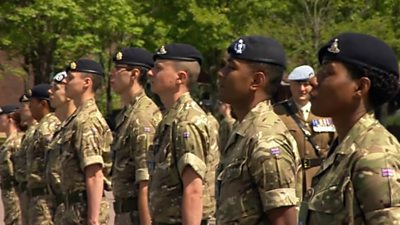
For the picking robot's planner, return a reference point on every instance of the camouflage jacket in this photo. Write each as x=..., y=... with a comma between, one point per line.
x=358, y=183
x=183, y=138
x=35, y=154
x=133, y=136
x=85, y=140
x=19, y=157
x=258, y=169
x=9, y=147
x=225, y=129
x=53, y=162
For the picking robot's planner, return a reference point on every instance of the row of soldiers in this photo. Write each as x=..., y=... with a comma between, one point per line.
x=173, y=168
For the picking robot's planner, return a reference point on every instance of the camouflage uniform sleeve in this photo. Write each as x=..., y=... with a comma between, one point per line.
x=272, y=165
x=191, y=141
x=375, y=182
x=141, y=142
x=90, y=144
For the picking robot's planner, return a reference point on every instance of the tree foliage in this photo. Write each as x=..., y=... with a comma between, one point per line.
x=48, y=34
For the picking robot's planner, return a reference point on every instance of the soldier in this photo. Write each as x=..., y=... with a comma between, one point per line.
x=358, y=182
x=206, y=104
x=9, y=121
x=40, y=202
x=226, y=124
x=133, y=136
x=85, y=149
x=185, y=154
x=19, y=157
x=259, y=165
x=313, y=134
x=64, y=107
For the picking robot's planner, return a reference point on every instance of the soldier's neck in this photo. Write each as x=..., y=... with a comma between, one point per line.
x=11, y=130
x=169, y=100
x=84, y=98
x=300, y=103
x=129, y=95
x=65, y=110
x=243, y=108
x=344, y=122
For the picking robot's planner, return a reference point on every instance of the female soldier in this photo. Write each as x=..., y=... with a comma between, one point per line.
x=358, y=182
x=9, y=121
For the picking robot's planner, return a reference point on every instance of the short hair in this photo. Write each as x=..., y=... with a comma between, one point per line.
x=96, y=80
x=384, y=86
x=192, y=68
x=274, y=74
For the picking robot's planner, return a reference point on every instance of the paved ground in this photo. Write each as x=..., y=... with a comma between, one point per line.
x=109, y=196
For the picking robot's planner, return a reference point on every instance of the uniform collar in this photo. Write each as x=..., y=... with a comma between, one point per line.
x=177, y=107
x=127, y=110
x=261, y=107
x=348, y=144
x=86, y=105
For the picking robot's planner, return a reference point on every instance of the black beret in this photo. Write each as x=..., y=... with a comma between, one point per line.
x=178, y=52
x=40, y=91
x=85, y=66
x=6, y=109
x=24, y=98
x=362, y=50
x=59, y=77
x=134, y=57
x=258, y=49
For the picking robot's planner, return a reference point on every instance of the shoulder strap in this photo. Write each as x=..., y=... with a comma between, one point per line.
x=306, y=133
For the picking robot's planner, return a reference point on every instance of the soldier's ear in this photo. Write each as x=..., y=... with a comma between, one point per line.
x=258, y=81
x=135, y=73
x=183, y=77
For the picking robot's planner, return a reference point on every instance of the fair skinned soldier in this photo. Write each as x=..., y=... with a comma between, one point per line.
x=19, y=158
x=133, y=136
x=258, y=170
x=185, y=154
x=40, y=202
x=313, y=134
x=9, y=122
x=85, y=149
x=358, y=183
x=64, y=107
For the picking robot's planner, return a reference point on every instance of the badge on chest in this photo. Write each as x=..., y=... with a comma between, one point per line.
x=323, y=125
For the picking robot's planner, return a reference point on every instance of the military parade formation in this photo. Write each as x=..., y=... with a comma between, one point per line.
x=317, y=158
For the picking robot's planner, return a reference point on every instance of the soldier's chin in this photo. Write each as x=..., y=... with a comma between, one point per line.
x=223, y=97
x=319, y=110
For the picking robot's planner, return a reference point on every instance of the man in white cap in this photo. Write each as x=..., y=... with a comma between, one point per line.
x=313, y=134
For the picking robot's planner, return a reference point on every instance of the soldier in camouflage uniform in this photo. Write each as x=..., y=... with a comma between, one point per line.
x=206, y=104
x=312, y=133
x=185, y=153
x=226, y=124
x=64, y=107
x=40, y=202
x=358, y=183
x=258, y=171
x=9, y=121
x=19, y=157
x=133, y=136
x=85, y=149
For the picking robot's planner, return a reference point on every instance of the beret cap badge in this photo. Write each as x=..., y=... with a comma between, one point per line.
x=162, y=51
x=118, y=56
x=72, y=65
x=29, y=93
x=240, y=46
x=334, y=48
x=24, y=98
